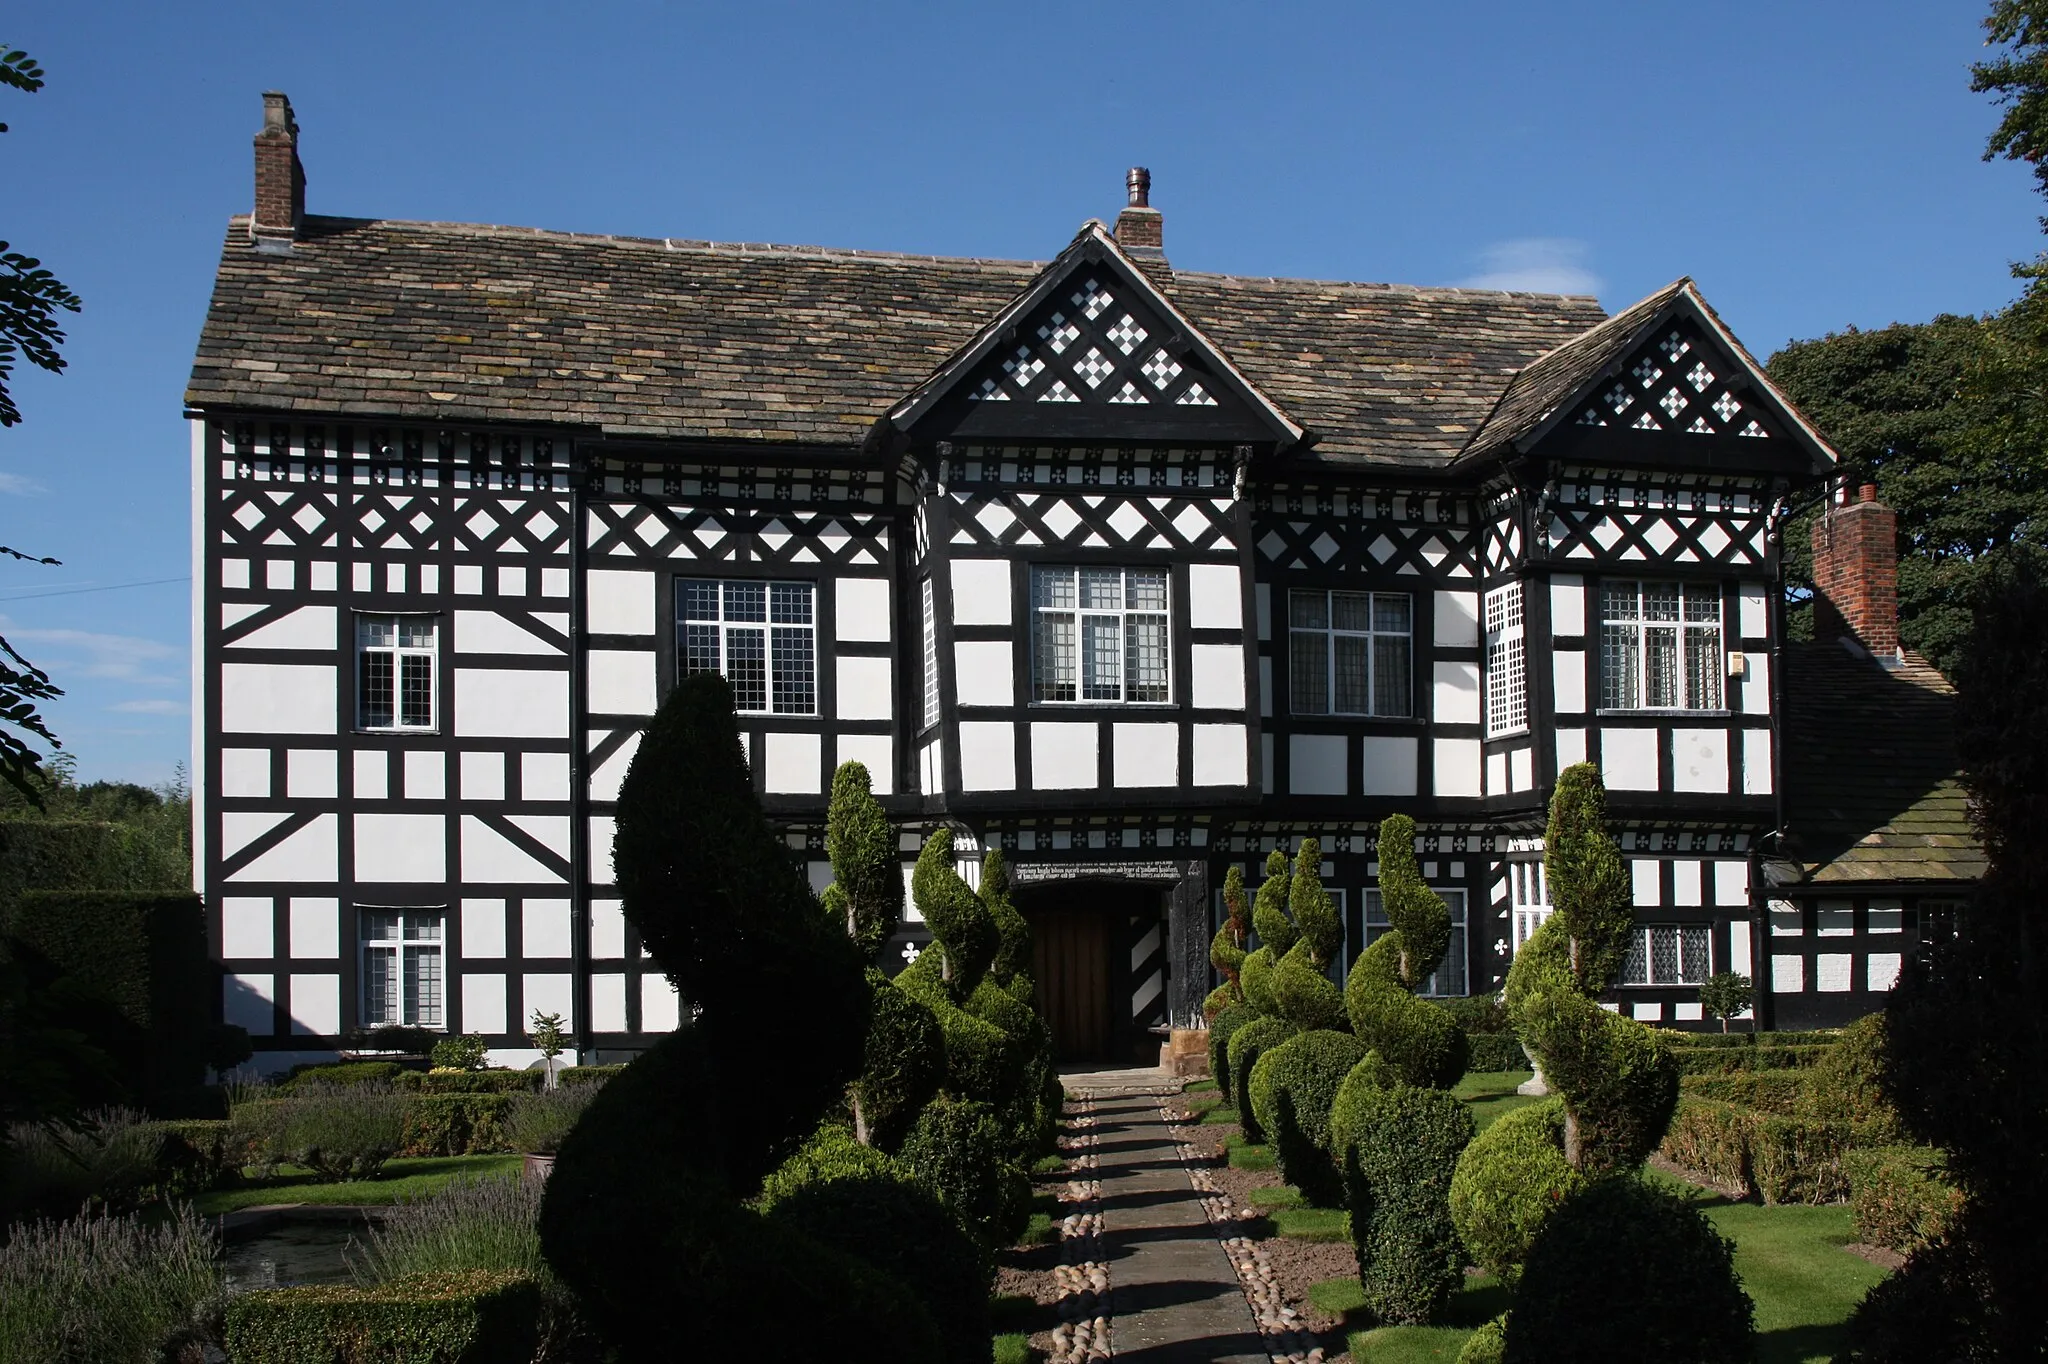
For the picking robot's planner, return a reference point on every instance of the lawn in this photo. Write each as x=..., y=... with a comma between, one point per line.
x=1490, y=1094
x=403, y=1178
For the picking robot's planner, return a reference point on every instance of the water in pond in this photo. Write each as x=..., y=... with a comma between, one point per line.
x=292, y=1251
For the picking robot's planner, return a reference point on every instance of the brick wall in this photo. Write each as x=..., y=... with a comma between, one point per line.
x=1856, y=573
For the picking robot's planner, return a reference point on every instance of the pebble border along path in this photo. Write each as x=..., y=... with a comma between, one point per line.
x=1082, y=1276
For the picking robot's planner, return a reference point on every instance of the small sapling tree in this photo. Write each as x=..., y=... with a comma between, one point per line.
x=1726, y=994
x=549, y=1039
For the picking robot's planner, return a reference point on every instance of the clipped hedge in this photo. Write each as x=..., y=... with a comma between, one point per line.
x=455, y=1124
x=1734, y=1060
x=339, y=1073
x=467, y=1317
x=586, y=1075
x=1491, y=1051
x=67, y=855
x=1778, y=1158
x=1901, y=1196
x=200, y=1154
x=1768, y=1091
x=471, y=1081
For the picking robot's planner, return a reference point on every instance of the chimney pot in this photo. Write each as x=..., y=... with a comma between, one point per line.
x=1856, y=573
x=1138, y=185
x=280, y=178
x=1140, y=228
x=1866, y=492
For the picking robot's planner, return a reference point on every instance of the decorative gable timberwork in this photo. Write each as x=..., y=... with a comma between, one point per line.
x=1680, y=381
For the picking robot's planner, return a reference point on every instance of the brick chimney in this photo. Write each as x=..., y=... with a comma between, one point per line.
x=280, y=179
x=1856, y=572
x=1141, y=228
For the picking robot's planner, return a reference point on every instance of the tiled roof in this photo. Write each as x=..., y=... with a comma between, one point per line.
x=1871, y=778
x=696, y=340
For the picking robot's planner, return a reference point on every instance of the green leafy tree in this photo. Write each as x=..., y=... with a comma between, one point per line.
x=1726, y=994
x=2017, y=76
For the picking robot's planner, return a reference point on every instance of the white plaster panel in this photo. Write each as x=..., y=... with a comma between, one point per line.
x=1686, y=1013
x=550, y=831
x=372, y=774
x=483, y=1004
x=981, y=591
x=1454, y=692
x=1699, y=760
x=983, y=673
x=1885, y=916
x=1756, y=762
x=864, y=692
x=1496, y=774
x=549, y=993
x=487, y=632
x=1648, y=1011
x=544, y=928
x=1834, y=919
x=543, y=776
x=1215, y=597
x=1756, y=684
x=309, y=627
x=483, y=929
x=620, y=681
x=1648, y=880
x=611, y=773
x=1834, y=972
x=791, y=762
x=316, y=1005
x=234, y=573
x=247, y=1000
x=1752, y=612
x=1063, y=756
x=1567, y=605
x=240, y=828
x=1220, y=756
x=469, y=580
x=1521, y=768
x=607, y=930
x=323, y=575
x=608, y=1003
x=401, y=847
x=1457, y=619
x=1738, y=946
x=1628, y=759
x=618, y=601
x=877, y=753
x=660, y=1009
x=1455, y=766
x=483, y=776
x=1787, y=921
x=502, y=703
x=426, y=775
x=245, y=772
x=1571, y=747
x=1568, y=681
x=988, y=755
x=1317, y=764
x=1788, y=974
x=245, y=926
x=602, y=830
x=554, y=582
x=277, y=698
x=1144, y=755
x=1685, y=881
x=861, y=609
x=315, y=927
x=307, y=855
x=1881, y=971
x=931, y=768
x=1731, y=883
x=1216, y=674
x=511, y=581
x=309, y=773
x=1390, y=765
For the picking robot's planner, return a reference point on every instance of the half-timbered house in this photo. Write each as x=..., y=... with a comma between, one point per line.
x=1131, y=571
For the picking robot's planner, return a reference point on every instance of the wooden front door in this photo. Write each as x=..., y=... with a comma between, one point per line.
x=1070, y=970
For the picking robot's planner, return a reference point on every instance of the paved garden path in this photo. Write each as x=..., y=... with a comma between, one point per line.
x=1174, y=1298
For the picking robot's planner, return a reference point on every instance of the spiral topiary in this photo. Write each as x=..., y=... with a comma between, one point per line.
x=1292, y=1089
x=1221, y=1028
x=1276, y=935
x=1400, y=1144
x=861, y=844
x=1303, y=992
x=1226, y=949
x=1422, y=1043
x=1247, y=1045
x=902, y=1067
x=1512, y=1177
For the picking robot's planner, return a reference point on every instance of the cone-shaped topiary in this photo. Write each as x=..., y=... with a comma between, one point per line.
x=1226, y=949
x=1247, y=1045
x=1400, y=1144
x=1512, y=1177
x=1591, y=895
x=1302, y=989
x=1292, y=1089
x=862, y=845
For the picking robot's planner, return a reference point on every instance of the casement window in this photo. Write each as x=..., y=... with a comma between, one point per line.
x=931, y=658
x=1350, y=653
x=403, y=967
x=1507, y=683
x=762, y=636
x=1529, y=891
x=1667, y=954
x=1099, y=635
x=396, y=659
x=1660, y=645
x=1449, y=977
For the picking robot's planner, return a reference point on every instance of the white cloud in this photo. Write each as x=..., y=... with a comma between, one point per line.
x=84, y=653
x=154, y=706
x=20, y=485
x=1548, y=265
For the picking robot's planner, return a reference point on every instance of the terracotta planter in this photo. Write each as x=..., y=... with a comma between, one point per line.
x=537, y=1167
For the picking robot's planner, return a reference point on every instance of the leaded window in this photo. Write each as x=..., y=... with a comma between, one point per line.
x=1529, y=890
x=1667, y=954
x=1660, y=645
x=762, y=636
x=402, y=967
x=395, y=664
x=1350, y=653
x=1449, y=977
x=931, y=658
x=1507, y=683
x=1099, y=635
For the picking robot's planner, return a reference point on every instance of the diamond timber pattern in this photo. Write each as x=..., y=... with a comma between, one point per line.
x=1322, y=528
x=1671, y=384
x=1091, y=521
x=1600, y=515
x=783, y=536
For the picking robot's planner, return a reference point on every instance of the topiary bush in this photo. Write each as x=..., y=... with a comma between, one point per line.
x=1488, y=1344
x=1902, y=1197
x=1221, y=1028
x=1293, y=1087
x=465, y=1315
x=959, y=1148
x=1247, y=1045
x=861, y=844
x=1422, y=1043
x=1227, y=948
x=903, y=1066
x=1302, y=989
x=1507, y=1181
x=1276, y=936
x=1625, y=1270
x=1400, y=1145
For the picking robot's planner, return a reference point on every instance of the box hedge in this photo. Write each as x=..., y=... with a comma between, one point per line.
x=1768, y=1091
x=1493, y=1051
x=471, y=1081
x=463, y=1317
x=1901, y=1196
x=1735, y=1060
x=586, y=1075
x=1778, y=1158
x=455, y=1124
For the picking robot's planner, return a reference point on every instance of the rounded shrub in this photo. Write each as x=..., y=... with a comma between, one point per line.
x=1488, y=1344
x=1293, y=1087
x=1625, y=1270
x=1247, y=1045
x=1511, y=1177
x=1220, y=1029
x=1398, y=1146
x=959, y=1148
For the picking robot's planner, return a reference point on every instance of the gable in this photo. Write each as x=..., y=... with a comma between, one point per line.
x=1678, y=380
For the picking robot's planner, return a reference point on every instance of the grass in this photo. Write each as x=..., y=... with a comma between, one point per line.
x=1245, y=1155
x=1281, y=1196
x=1481, y=1299
x=1048, y=1165
x=1014, y=1347
x=1490, y=1094
x=1042, y=1229
x=1200, y=1086
x=403, y=1178
x=1009, y=1309
x=1312, y=1224
x=1338, y=1297
x=1220, y=1113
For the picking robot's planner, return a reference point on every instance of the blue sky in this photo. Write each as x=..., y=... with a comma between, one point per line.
x=1813, y=165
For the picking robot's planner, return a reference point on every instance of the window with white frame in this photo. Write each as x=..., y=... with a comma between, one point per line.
x=396, y=657
x=1350, y=653
x=931, y=657
x=1099, y=635
x=1667, y=954
x=762, y=636
x=1660, y=645
x=1507, y=690
x=402, y=967
x=1529, y=892
x=1449, y=977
